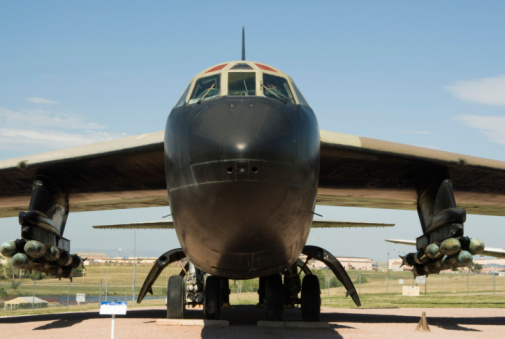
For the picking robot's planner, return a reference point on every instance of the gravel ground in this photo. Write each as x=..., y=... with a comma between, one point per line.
x=344, y=323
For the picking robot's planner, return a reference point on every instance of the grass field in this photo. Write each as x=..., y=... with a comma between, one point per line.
x=376, y=289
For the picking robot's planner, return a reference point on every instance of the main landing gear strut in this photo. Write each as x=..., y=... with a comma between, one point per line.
x=275, y=293
x=200, y=288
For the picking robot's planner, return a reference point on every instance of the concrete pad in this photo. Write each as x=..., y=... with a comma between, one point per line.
x=192, y=322
x=293, y=324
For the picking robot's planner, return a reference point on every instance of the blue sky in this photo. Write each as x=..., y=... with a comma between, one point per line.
x=428, y=73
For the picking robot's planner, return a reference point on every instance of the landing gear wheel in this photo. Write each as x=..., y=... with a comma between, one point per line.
x=274, y=297
x=225, y=292
x=175, y=297
x=212, y=298
x=311, y=298
x=261, y=293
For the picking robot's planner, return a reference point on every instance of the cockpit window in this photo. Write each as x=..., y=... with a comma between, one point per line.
x=241, y=83
x=301, y=99
x=205, y=88
x=277, y=88
x=182, y=99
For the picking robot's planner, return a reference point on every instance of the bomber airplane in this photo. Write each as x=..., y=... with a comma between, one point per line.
x=244, y=163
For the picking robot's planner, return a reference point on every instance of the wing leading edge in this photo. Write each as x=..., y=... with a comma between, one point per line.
x=363, y=172
x=116, y=174
x=355, y=171
x=169, y=224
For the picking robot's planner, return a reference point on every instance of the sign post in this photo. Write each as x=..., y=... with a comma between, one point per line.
x=113, y=308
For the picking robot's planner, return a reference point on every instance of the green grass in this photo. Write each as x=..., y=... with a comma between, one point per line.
x=448, y=290
x=430, y=301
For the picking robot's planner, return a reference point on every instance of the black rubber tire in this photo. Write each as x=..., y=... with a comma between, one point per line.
x=212, y=298
x=261, y=292
x=274, y=293
x=175, y=297
x=311, y=298
x=225, y=292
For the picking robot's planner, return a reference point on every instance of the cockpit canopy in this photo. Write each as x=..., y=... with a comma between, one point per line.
x=241, y=78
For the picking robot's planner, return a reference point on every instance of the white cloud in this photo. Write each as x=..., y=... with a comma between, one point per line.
x=488, y=91
x=43, y=130
x=44, y=118
x=37, y=100
x=416, y=132
x=20, y=139
x=492, y=126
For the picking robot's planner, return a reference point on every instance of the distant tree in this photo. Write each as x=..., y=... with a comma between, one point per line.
x=78, y=272
x=475, y=268
x=363, y=279
x=15, y=285
x=36, y=275
x=8, y=269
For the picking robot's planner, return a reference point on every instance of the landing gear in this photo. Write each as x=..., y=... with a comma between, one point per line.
x=175, y=297
x=311, y=298
x=261, y=293
x=225, y=292
x=274, y=297
x=318, y=253
x=212, y=298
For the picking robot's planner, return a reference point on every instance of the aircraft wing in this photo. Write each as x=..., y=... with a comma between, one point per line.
x=354, y=171
x=364, y=172
x=489, y=251
x=163, y=224
x=122, y=173
x=169, y=224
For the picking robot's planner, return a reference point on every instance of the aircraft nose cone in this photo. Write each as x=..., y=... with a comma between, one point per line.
x=240, y=129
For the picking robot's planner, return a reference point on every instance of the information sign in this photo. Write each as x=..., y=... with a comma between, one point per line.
x=113, y=307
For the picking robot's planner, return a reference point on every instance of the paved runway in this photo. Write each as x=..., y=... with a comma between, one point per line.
x=343, y=323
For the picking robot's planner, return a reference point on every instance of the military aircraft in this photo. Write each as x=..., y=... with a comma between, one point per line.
x=242, y=164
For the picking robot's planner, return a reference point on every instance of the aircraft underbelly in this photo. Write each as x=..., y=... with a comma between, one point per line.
x=247, y=229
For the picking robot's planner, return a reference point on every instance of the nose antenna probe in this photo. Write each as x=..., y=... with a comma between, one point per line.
x=243, y=43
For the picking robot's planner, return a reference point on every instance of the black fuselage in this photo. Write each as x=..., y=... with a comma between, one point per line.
x=242, y=176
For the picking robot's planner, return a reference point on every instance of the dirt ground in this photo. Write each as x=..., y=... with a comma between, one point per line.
x=343, y=323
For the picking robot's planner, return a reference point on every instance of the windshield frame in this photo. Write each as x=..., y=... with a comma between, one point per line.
x=210, y=87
